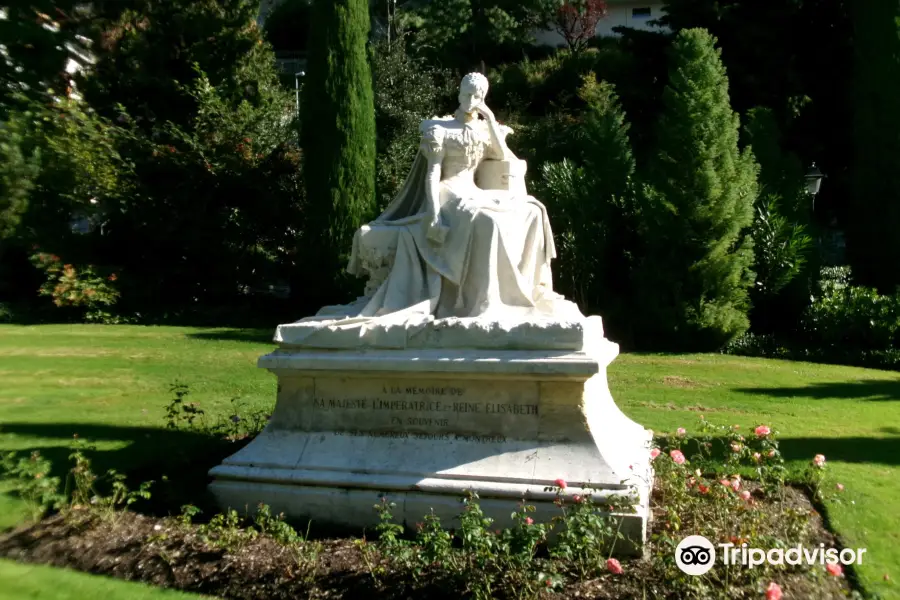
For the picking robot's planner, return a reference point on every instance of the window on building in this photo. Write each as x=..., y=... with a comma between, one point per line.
x=641, y=13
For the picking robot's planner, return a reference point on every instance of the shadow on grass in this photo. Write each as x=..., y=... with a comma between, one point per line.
x=868, y=389
x=885, y=451
x=182, y=457
x=260, y=336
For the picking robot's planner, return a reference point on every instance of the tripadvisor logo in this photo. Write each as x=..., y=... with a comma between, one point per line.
x=696, y=555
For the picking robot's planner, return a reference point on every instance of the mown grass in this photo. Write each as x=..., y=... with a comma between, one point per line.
x=23, y=582
x=110, y=384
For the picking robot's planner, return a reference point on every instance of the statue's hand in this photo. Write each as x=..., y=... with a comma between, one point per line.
x=486, y=112
x=436, y=232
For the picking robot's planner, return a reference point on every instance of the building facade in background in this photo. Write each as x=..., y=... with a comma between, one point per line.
x=636, y=14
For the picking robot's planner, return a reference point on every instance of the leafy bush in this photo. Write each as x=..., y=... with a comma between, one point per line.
x=81, y=288
x=759, y=345
x=474, y=558
x=780, y=248
x=844, y=324
x=844, y=318
x=79, y=176
x=239, y=425
x=31, y=478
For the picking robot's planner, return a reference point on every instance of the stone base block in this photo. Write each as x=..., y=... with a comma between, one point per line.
x=423, y=427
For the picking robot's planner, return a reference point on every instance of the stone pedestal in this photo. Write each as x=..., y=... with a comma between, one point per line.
x=422, y=426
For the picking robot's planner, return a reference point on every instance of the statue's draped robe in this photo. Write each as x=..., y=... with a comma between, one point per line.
x=493, y=263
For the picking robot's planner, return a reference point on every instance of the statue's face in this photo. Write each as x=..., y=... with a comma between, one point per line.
x=470, y=97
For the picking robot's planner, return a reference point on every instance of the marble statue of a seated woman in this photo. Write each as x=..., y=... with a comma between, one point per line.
x=462, y=240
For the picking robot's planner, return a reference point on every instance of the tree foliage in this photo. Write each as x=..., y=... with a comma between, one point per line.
x=338, y=136
x=33, y=53
x=19, y=168
x=148, y=51
x=695, y=277
x=188, y=171
x=590, y=198
x=873, y=244
x=464, y=34
x=406, y=92
x=576, y=21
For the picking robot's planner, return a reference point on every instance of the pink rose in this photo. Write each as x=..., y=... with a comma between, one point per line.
x=654, y=453
x=762, y=431
x=745, y=496
x=773, y=592
x=735, y=484
x=757, y=456
x=529, y=521
x=819, y=460
x=561, y=483
x=614, y=566
x=681, y=431
x=771, y=453
x=834, y=569
x=735, y=447
x=677, y=456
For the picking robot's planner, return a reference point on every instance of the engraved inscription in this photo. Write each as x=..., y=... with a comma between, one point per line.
x=442, y=437
x=434, y=408
x=377, y=403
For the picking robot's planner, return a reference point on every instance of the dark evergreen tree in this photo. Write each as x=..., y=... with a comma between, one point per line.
x=874, y=212
x=796, y=58
x=338, y=138
x=695, y=277
x=590, y=199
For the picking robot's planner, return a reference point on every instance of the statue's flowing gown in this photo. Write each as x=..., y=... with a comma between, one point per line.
x=498, y=247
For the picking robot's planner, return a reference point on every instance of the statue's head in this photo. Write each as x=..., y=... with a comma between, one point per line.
x=472, y=91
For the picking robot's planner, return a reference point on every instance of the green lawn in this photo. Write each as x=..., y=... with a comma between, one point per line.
x=110, y=384
x=22, y=582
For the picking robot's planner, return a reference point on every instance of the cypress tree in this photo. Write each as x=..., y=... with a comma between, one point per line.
x=874, y=216
x=696, y=274
x=338, y=139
